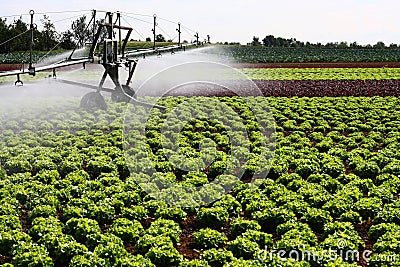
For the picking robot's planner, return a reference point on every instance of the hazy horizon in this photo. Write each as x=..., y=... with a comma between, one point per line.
x=363, y=21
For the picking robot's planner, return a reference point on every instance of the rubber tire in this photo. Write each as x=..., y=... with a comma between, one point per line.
x=119, y=96
x=93, y=101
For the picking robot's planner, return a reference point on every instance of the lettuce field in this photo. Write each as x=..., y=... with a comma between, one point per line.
x=320, y=181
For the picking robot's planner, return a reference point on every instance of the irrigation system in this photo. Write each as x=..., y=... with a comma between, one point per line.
x=110, y=52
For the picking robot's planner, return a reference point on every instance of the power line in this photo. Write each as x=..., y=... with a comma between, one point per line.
x=187, y=32
x=134, y=29
x=71, y=17
x=193, y=32
x=167, y=20
x=45, y=13
x=139, y=19
x=37, y=62
x=136, y=14
x=12, y=38
x=63, y=12
x=184, y=27
x=13, y=16
x=169, y=36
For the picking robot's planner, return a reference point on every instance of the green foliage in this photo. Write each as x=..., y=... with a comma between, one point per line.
x=31, y=255
x=163, y=227
x=378, y=230
x=8, y=223
x=217, y=257
x=147, y=241
x=230, y=204
x=138, y=213
x=164, y=256
x=258, y=54
x=103, y=213
x=63, y=182
x=11, y=239
x=368, y=207
x=194, y=263
x=133, y=261
x=110, y=248
x=209, y=238
x=317, y=218
x=242, y=247
x=127, y=230
x=240, y=225
x=389, y=214
x=41, y=226
x=81, y=228
x=171, y=213
x=43, y=211
x=367, y=170
x=62, y=246
x=306, y=167
x=212, y=217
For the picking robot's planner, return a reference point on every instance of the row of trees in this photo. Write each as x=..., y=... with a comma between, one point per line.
x=271, y=41
x=48, y=38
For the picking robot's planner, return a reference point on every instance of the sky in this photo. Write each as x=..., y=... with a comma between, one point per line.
x=363, y=21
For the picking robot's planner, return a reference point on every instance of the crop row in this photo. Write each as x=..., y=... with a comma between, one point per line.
x=329, y=88
x=322, y=73
x=261, y=54
x=305, y=88
x=69, y=198
x=23, y=57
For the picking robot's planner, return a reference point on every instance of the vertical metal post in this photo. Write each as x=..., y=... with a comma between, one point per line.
x=179, y=34
x=197, y=38
x=154, y=31
x=31, y=68
x=110, y=29
x=120, y=33
x=94, y=25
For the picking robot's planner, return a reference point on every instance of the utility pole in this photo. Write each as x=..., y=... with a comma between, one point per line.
x=31, y=69
x=197, y=38
x=154, y=31
x=179, y=34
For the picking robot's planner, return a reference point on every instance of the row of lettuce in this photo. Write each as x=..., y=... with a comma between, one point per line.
x=69, y=198
x=260, y=54
x=316, y=74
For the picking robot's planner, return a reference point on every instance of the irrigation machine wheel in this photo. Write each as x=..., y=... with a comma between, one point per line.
x=93, y=100
x=123, y=94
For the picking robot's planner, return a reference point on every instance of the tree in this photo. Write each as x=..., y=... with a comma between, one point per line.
x=67, y=40
x=268, y=41
x=256, y=41
x=81, y=31
x=148, y=39
x=354, y=45
x=343, y=45
x=160, y=38
x=21, y=43
x=4, y=34
x=49, y=34
x=379, y=45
